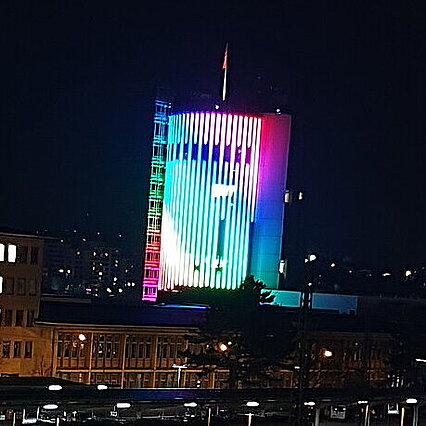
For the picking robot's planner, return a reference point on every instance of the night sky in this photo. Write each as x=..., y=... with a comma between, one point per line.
x=78, y=81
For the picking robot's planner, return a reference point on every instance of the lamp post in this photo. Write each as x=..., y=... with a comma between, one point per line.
x=179, y=369
x=414, y=403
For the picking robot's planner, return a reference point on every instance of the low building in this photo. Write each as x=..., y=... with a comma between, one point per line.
x=24, y=348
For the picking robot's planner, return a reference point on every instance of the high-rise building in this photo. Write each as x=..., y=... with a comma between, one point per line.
x=217, y=183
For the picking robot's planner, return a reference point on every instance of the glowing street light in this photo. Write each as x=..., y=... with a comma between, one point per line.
x=123, y=405
x=179, y=369
x=50, y=407
x=55, y=387
x=326, y=353
x=223, y=347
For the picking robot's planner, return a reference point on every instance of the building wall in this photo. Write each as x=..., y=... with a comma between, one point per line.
x=126, y=357
x=145, y=356
x=24, y=348
x=357, y=359
x=267, y=238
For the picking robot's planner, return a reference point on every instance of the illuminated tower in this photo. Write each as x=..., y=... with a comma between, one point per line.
x=151, y=271
x=222, y=209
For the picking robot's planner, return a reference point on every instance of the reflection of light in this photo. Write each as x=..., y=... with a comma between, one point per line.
x=102, y=387
x=190, y=404
x=55, y=387
x=50, y=407
x=252, y=404
x=411, y=401
x=123, y=405
x=309, y=403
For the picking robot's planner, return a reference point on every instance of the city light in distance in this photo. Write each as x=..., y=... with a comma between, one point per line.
x=411, y=401
x=309, y=403
x=102, y=387
x=361, y=402
x=81, y=337
x=252, y=404
x=408, y=273
x=190, y=404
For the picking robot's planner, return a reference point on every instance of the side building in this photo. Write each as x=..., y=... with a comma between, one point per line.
x=24, y=348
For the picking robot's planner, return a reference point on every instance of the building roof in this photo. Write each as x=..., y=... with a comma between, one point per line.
x=10, y=232
x=58, y=312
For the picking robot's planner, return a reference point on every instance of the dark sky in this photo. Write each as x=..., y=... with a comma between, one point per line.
x=78, y=80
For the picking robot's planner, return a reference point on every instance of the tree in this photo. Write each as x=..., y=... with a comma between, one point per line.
x=242, y=338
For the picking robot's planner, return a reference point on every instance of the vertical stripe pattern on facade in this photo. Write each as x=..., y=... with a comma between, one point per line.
x=209, y=199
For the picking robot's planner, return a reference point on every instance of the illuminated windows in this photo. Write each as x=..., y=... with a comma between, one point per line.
x=11, y=253
x=8, y=252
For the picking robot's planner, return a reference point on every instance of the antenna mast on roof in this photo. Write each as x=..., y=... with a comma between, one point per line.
x=225, y=71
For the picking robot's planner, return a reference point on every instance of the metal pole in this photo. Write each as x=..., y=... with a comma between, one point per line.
x=123, y=364
x=317, y=416
x=250, y=415
x=179, y=372
x=402, y=416
x=209, y=416
x=367, y=415
x=89, y=378
x=415, y=415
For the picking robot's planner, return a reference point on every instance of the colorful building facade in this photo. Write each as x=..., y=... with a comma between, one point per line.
x=221, y=205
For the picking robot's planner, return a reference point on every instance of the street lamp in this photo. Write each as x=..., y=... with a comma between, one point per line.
x=179, y=369
x=223, y=347
x=326, y=353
